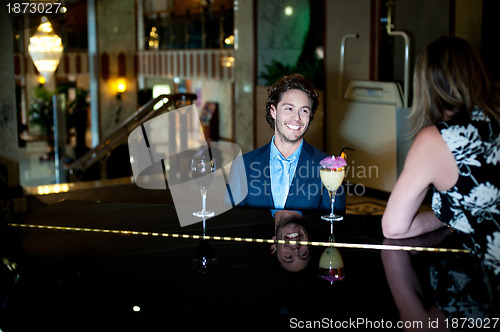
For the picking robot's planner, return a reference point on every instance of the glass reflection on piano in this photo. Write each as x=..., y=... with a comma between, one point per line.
x=331, y=264
x=9, y=277
x=204, y=258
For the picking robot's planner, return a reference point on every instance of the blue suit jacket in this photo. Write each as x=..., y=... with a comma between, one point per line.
x=306, y=191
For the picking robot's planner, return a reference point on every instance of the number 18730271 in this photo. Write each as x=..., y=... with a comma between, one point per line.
x=474, y=323
x=35, y=7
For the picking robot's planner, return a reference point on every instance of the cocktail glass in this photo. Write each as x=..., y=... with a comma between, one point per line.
x=332, y=179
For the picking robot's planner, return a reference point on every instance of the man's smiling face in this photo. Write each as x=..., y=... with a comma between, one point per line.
x=292, y=116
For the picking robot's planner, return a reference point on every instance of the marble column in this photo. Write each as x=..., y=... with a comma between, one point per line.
x=114, y=22
x=244, y=82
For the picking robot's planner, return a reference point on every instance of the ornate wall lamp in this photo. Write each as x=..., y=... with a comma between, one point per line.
x=121, y=85
x=121, y=81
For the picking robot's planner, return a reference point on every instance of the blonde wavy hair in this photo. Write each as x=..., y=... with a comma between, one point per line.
x=450, y=76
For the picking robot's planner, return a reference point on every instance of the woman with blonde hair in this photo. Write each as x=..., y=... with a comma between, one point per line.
x=455, y=116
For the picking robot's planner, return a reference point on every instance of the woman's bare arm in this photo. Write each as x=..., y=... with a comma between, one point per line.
x=429, y=161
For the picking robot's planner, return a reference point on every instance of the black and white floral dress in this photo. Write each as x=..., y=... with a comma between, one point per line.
x=472, y=206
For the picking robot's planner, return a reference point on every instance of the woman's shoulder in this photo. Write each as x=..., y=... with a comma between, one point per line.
x=428, y=146
x=432, y=156
x=427, y=135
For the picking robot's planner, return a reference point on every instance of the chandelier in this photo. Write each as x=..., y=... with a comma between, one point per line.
x=154, y=39
x=45, y=49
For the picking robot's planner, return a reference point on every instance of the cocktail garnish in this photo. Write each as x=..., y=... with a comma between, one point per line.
x=333, y=162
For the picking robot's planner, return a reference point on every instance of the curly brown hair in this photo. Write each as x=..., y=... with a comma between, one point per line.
x=294, y=81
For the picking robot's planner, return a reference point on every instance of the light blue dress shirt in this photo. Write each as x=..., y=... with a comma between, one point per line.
x=281, y=172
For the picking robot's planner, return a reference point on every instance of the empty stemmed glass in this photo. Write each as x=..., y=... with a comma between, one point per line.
x=202, y=171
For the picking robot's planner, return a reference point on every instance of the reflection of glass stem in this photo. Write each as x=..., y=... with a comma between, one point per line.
x=332, y=238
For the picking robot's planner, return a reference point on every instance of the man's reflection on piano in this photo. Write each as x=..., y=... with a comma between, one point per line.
x=290, y=225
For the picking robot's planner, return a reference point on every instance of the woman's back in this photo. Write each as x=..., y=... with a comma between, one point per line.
x=472, y=206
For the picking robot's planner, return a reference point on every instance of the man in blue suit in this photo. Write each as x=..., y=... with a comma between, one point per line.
x=284, y=174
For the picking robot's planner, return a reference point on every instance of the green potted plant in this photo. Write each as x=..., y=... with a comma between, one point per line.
x=41, y=113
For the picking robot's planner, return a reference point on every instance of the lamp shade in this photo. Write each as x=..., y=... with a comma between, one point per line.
x=45, y=49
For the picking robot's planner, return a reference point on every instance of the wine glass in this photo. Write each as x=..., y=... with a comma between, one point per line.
x=202, y=171
x=332, y=179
